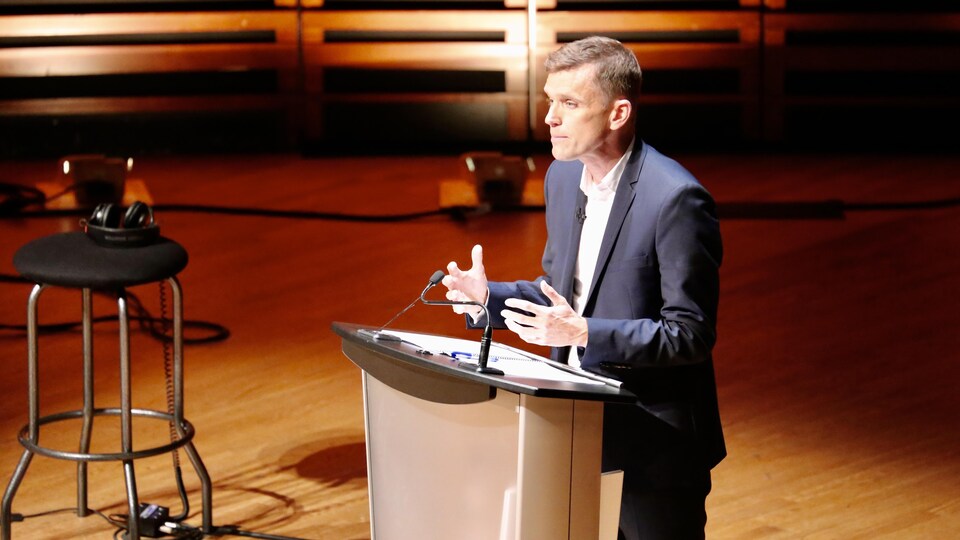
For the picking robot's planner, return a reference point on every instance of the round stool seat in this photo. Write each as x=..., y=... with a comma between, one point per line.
x=75, y=260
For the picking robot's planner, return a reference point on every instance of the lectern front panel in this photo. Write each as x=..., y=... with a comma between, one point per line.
x=440, y=471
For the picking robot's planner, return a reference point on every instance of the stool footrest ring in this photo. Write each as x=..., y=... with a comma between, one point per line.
x=186, y=431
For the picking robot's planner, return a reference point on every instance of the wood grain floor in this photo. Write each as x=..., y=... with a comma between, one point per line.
x=837, y=359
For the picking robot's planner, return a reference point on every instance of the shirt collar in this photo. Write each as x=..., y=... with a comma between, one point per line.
x=607, y=187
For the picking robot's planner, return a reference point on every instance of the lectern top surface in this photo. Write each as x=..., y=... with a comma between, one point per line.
x=428, y=355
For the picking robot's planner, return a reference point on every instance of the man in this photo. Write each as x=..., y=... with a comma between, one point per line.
x=630, y=289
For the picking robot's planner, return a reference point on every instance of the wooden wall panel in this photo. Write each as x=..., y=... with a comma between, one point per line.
x=150, y=63
x=725, y=72
x=418, y=45
x=882, y=75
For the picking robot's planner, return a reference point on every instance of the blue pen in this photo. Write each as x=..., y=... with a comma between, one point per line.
x=456, y=356
x=468, y=356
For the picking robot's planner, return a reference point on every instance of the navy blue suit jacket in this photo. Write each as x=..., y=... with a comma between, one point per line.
x=652, y=309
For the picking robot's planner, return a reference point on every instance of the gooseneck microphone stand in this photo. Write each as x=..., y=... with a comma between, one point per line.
x=379, y=335
x=487, y=330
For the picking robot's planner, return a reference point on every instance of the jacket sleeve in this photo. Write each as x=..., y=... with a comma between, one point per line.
x=526, y=290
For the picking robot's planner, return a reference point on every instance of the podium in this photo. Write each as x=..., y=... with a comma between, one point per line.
x=452, y=453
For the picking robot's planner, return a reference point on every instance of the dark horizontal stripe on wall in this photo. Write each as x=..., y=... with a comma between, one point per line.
x=863, y=38
x=140, y=85
x=690, y=81
x=415, y=122
x=398, y=81
x=690, y=125
x=647, y=4
x=659, y=36
x=142, y=134
x=870, y=5
x=413, y=4
x=880, y=127
x=376, y=36
x=873, y=83
x=161, y=38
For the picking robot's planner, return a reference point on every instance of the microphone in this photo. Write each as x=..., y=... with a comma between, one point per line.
x=581, y=215
x=487, y=331
x=378, y=333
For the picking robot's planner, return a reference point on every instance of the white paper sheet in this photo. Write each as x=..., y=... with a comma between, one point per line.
x=513, y=362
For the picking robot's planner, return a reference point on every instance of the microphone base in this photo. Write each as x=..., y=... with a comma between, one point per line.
x=486, y=370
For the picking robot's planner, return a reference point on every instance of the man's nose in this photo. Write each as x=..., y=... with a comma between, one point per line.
x=551, y=118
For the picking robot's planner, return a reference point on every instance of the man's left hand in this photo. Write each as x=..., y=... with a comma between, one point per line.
x=557, y=325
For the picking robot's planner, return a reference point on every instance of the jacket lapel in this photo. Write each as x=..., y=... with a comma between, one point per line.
x=623, y=200
x=565, y=287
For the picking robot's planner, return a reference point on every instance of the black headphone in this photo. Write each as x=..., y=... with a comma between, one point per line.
x=113, y=226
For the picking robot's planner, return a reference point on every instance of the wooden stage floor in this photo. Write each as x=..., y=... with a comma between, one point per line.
x=837, y=360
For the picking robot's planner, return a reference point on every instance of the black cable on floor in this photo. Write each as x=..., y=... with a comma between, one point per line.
x=149, y=324
x=826, y=209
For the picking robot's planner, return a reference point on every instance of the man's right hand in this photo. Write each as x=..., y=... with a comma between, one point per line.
x=467, y=285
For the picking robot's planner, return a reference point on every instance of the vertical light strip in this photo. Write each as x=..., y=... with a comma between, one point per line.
x=532, y=91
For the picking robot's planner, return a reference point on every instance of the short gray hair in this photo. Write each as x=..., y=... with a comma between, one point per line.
x=617, y=69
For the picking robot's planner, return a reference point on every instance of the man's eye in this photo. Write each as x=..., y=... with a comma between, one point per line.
x=570, y=104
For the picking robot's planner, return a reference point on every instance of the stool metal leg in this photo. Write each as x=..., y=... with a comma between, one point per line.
x=126, y=416
x=11, y=491
x=205, y=484
x=31, y=433
x=33, y=398
x=82, y=509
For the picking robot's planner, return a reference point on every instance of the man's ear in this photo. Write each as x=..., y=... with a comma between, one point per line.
x=620, y=114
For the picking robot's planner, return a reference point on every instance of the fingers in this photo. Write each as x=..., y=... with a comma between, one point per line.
x=556, y=325
x=454, y=276
x=522, y=331
x=476, y=257
x=535, y=335
x=453, y=280
x=555, y=298
x=470, y=285
x=522, y=325
x=454, y=271
x=458, y=296
x=522, y=305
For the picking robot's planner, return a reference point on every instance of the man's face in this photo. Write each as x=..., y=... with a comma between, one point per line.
x=579, y=114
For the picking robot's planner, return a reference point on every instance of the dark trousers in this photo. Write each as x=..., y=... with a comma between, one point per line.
x=665, y=482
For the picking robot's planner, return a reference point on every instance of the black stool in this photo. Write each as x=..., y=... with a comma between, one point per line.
x=74, y=260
